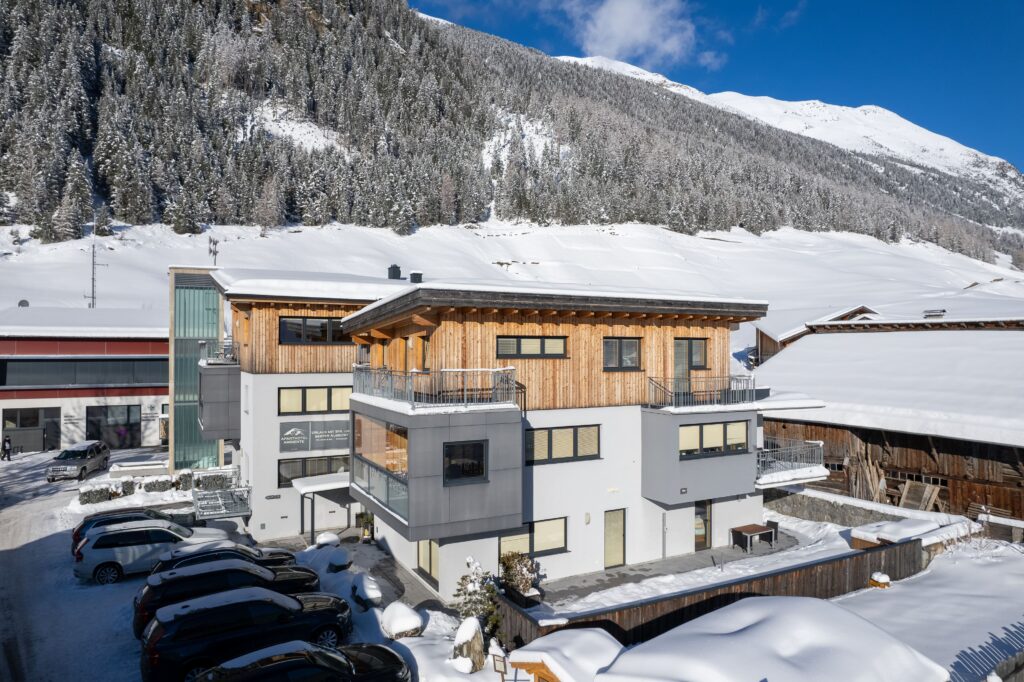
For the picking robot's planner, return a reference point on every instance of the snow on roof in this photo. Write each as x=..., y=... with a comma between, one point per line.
x=318, y=484
x=574, y=655
x=340, y=286
x=962, y=384
x=141, y=524
x=283, y=649
x=797, y=639
x=212, y=601
x=781, y=324
x=198, y=548
x=210, y=567
x=96, y=323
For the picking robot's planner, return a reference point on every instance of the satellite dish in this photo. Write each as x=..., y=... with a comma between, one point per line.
x=23, y=303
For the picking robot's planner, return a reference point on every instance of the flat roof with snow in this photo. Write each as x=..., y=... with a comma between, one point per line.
x=94, y=323
x=964, y=384
x=319, y=484
x=572, y=655
x=320, y=286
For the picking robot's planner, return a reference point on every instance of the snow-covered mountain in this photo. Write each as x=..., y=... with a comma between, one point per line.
x=866, y=129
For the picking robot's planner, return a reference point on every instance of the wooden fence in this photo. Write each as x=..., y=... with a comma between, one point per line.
x=640, y=621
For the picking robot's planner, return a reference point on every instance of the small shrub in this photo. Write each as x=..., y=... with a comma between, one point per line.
x=185, y=479
x=517, y=571
x=156, y=484
x=475, y=596
x=127, y=486
x=90, y=494
x=212, y=482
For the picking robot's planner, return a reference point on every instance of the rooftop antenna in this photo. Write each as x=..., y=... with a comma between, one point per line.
x=214, y=250
x=92, y=296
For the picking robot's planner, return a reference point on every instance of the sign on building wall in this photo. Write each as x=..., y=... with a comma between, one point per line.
x=306, y=436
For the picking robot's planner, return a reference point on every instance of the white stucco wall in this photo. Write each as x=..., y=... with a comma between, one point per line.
x=73, y=411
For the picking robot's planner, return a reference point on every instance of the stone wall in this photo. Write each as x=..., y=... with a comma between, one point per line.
x=823, y=511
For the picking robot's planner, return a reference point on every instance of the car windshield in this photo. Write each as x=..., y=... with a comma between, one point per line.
x=181, y=530
x=72, y=454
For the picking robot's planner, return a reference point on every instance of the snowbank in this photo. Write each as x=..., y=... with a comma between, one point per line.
x=796, y=639
x=572, y=655
x=893, y=531
x=789, y=475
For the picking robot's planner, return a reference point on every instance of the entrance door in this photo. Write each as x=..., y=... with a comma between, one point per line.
x=681, y=365
x=119, y=426
x=614, y=538
x=702, y=525
x=427, y=560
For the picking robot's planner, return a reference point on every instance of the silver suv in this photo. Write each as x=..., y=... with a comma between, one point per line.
x=109, y=552
x=79, y=460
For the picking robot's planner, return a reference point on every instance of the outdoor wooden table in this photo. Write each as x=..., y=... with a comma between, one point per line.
x=751, y=531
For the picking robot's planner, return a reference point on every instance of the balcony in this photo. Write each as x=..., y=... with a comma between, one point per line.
x=219, y=353
x=700, y=391
x=785, y=461
x=440, y=388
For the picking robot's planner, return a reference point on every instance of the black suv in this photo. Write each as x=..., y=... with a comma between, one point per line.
x=181, y=584
x=305, y=661
x=187, y=638
x=107, y=518
x=221, y=550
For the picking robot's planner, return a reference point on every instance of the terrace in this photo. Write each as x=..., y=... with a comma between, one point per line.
x=440, y=388
x=785, y=461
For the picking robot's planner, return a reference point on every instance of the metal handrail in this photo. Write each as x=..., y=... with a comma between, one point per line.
x=224, y=352
x=439, y=387
x=697, y=390
x=787, y=454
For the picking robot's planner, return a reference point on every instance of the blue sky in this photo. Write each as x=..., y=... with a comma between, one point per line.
x=956, y=68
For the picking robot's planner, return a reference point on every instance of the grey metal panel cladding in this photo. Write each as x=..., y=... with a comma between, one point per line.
x=220, y=401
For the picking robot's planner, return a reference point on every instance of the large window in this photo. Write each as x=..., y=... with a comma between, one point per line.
x=710, y=439
x=427, y=560
x=92, y=372
x=465, y=462
x=383, y=445
x=698, y=352
x=531, y=347
x=290, y=469
x=538, y=539
x=562, y=444
x=621, y=354
x=311, y=331
x=313, y=399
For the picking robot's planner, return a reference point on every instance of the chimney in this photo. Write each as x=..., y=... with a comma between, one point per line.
x=394, y=272
x=416, y=277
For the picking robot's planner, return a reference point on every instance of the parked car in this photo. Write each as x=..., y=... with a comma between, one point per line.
x=189, y=582
x=187, y=638
x=191, y=555
x=305, y=661
x=79, y=460
x=108, y=553
x=108, y=518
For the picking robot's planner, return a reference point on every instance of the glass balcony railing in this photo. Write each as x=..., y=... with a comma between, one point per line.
x=387, y=488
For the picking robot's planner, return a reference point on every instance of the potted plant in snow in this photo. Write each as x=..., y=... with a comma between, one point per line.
x=518, y=578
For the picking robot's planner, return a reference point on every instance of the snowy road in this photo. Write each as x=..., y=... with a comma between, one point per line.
x=52, y=627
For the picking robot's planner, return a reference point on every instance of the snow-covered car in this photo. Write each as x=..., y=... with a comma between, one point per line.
x=108, y=553
x=190, y=555
x=79, y=460
x=185, y=639
x=304, y=660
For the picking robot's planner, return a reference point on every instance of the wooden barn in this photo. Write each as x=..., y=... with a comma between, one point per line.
x=930, y=417
x=780, y=328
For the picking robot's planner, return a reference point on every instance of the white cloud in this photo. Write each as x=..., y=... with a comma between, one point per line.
x=651, y=32
x=712, y=60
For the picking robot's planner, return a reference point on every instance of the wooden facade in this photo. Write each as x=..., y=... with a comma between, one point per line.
x=255, y=330
x=461, y=338
x=874, y=465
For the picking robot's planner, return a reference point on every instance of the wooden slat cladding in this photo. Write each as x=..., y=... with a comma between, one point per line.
x=965, y=471
x=468, y=340
x=255, y=333
x=641, y=621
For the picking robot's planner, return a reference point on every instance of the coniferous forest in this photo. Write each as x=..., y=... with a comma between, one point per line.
x=152, y=111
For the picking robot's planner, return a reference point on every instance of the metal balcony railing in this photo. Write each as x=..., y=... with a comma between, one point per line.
x=786, y=460
x=219, y=353
x=698, y=390
x=455, y=387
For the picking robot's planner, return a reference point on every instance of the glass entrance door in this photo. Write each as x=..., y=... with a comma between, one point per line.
x=614, y=538
x=427, y=560
x=702, y=525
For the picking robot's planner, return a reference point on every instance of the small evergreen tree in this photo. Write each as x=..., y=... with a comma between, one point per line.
x=475, y=596
x=101, y=222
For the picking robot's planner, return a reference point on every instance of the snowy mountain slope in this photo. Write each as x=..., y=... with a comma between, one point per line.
x=865, y=129
x=788, y=268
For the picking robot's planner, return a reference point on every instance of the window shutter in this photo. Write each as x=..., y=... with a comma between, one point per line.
x=587, y=441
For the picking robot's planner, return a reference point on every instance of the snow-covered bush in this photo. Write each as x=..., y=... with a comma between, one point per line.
x=212, y=481
x=128, y=486
x=339, y=560
x=366, y=592
x=517, y=571
x=91, y=494
x=327, y=540
x=399, y=620
x=157, y=484
x=475, y=596
x=185, y=479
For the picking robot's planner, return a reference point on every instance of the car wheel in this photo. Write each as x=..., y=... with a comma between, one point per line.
x=329, y=637
x=107, y=574
x=105, y=465
x=194, y=672
x=81, y=474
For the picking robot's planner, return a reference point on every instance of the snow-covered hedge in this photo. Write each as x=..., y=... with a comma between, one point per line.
x=157, y=484
x=185, y=477
x=128, y=486
x=212, y=481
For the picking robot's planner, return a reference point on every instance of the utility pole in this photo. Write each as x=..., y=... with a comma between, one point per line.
x=214, y=250
x=92, y=297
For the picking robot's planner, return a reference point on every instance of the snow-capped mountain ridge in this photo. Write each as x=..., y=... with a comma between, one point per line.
x=867, y=129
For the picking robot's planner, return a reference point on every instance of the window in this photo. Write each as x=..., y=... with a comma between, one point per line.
x=91, y=372
x=621, y=354
x=710, y=439
x=311, y=331
x=313, y=399
x=531, y=347
x=698, y=353
x=427, y=560
x=541, y=538
x=465, y=462
x=562, y=444
x=382, y=444
x=289, y=469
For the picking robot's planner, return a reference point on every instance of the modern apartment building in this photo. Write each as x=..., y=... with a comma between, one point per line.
x=71, y=374
x=588, y=428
